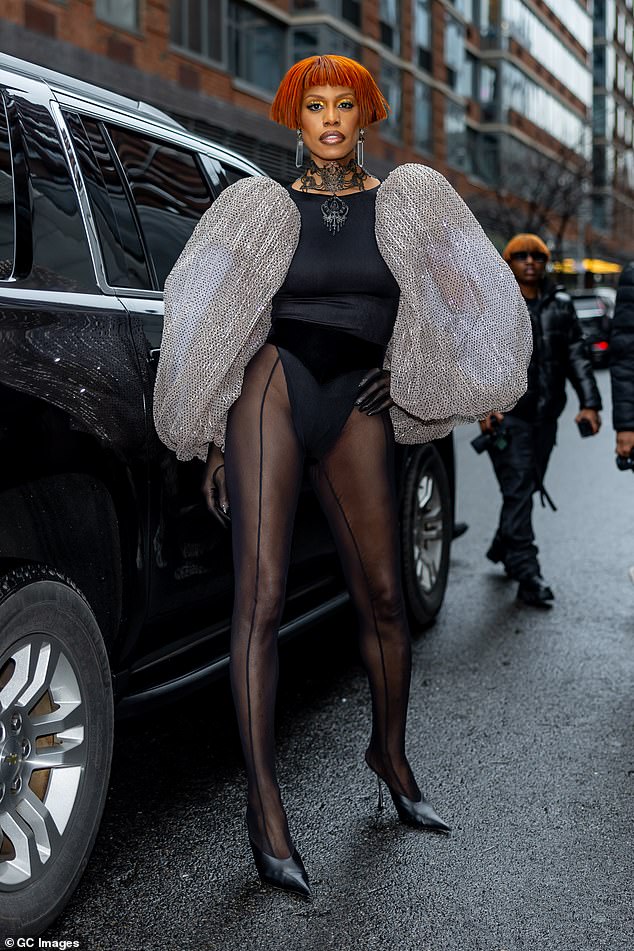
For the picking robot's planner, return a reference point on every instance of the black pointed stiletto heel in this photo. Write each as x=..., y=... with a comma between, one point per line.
x=288, y=874
x=420, y=814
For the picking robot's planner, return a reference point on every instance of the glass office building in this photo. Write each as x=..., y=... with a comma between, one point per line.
x=613, y=118
x=537, y=89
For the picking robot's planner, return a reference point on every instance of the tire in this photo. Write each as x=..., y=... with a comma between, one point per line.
x=54, y=759
x=426, y=526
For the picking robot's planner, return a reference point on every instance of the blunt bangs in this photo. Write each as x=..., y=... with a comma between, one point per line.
x=328, y=70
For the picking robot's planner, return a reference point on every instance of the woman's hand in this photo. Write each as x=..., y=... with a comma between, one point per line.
x=374, y=392
x=214, y=487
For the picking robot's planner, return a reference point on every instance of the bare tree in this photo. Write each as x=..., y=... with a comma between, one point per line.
x=536, y=192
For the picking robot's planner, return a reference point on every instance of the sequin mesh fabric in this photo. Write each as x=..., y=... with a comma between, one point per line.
x=462, y=339
x=218, y=310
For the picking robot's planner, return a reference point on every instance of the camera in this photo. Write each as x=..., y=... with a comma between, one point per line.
x=498, y=439
x=625, y=462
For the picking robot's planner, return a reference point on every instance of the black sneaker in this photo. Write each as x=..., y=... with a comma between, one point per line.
x=459, y=528
x=535, y=591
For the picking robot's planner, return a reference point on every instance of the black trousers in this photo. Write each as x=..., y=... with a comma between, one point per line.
x=520, y=471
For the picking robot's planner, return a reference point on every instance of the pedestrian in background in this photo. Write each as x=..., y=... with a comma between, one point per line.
x=622, y=363
x=522, y=440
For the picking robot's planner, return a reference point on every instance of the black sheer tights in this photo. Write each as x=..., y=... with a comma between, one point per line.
x=355, y=485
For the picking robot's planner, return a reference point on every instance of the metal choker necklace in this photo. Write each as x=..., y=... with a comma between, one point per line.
x=334, y=178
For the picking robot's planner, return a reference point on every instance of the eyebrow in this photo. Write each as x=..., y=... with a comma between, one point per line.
x=312, y=98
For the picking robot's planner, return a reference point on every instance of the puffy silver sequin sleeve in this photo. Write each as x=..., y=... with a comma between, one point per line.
x=462, y=340
x=217, y=310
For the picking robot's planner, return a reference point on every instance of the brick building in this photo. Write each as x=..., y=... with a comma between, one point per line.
x=477, y=87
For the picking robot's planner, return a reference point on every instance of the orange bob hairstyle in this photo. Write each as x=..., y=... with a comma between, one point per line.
x=525, y=242
x=327, y=70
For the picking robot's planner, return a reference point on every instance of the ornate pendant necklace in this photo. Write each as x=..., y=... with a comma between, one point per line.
x=334, y=178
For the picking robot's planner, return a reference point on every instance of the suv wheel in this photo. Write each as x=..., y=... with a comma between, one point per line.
x=426, y=525
x=56, y=730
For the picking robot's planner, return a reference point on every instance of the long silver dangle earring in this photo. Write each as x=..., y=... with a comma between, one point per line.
x=360, y=147
x=299, y=150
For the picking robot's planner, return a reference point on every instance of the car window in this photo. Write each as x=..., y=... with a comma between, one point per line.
x=121, y=247
x=233, y=174
x=61, y=253
x=169, y=190
x=589, y=306
x=7, y=215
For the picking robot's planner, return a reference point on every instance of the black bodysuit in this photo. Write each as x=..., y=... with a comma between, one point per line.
x=333, y=317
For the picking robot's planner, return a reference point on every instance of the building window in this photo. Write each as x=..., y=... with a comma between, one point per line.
x=318, y=38
x=487, y=17
x=422, y=34
x=196, y=25
x=487, y=91
x=454, y=51
x=455, y=134
x=349, y=10
x=519, y=94
x=391, y=86
x=390, y=24
x=602, y=158
x=599, y=216
x=422, y=117
x=598, y=65
x=598, y=115
x=541, y=41
x=464, y=7
x=486, y=157
x=123, y=13
x=257, y=47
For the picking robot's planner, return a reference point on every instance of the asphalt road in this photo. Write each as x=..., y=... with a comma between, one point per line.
x=521, y=732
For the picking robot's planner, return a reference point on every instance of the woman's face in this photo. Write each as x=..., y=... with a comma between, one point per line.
x=329, y=121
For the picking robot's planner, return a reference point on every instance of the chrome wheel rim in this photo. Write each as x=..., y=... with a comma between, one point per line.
x=42, y=756
x=428, y=532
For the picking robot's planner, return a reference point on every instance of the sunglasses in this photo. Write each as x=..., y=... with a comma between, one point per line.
x=538, y=256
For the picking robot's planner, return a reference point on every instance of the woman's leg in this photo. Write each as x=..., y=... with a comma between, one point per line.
x=263, y=463
x=356, y=487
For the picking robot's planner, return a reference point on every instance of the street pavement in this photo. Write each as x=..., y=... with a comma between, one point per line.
x=520, y=731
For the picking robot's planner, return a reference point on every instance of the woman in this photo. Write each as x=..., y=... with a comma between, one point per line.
x=295, y=318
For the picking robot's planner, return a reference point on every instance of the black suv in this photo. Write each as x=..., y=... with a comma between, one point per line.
x=115, y=582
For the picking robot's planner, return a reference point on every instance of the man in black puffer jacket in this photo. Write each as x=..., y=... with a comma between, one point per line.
x=526, y=436
x=622, y=363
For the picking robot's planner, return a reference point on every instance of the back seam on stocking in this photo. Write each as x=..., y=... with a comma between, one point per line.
x=255, y=601
x=369, y=590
